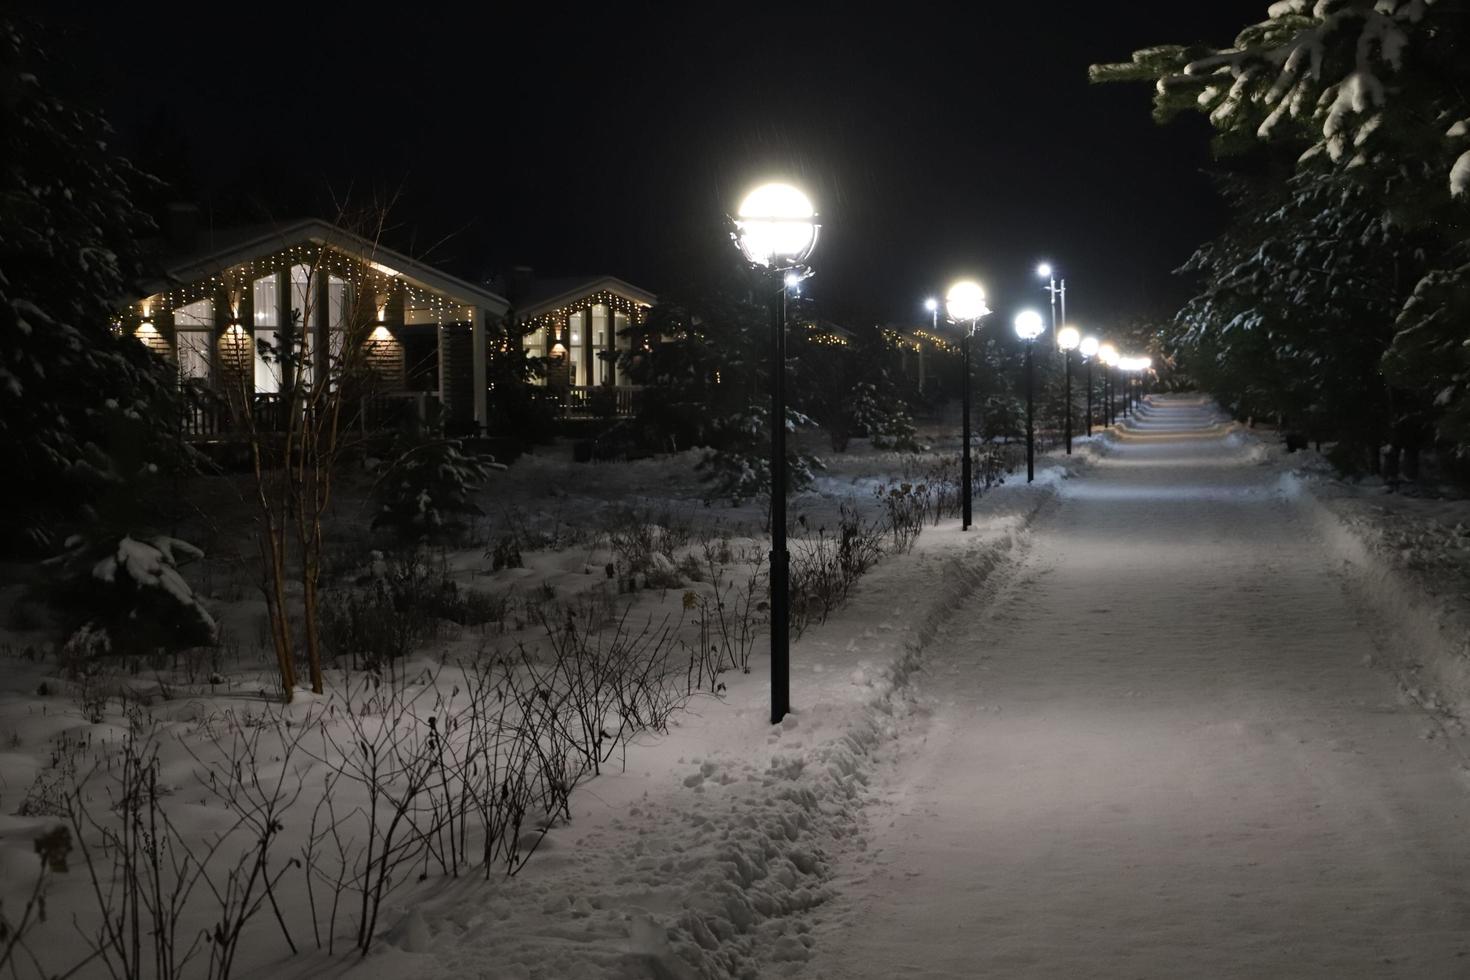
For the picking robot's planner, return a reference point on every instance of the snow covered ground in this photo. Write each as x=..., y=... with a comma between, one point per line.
x=1165, y=751
x=694, y=859
x=1175, y=709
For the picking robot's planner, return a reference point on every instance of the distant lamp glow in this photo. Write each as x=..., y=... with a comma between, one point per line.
x=792, y=280
x=1029, y=325
x=965, y=301
x=776, y=226
x=1088, y=350
x=1068, y=338
x=381, y=334
x=1044, y=270
x=931, y=304
x=1108, y=354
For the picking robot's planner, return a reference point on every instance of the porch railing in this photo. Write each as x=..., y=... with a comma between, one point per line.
x=601, y=401
x=208, y=416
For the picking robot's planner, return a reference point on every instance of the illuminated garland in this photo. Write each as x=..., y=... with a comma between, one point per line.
x=351, y=270
x=632, y=309
x=916, y=339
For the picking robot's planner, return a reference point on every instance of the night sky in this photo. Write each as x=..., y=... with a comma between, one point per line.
x=935, y=139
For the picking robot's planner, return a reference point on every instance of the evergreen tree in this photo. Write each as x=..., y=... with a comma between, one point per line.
x=703, y=354
x=1332, y=299
x=86, y=413
x=516, y=406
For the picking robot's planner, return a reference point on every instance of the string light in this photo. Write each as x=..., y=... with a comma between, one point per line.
x=359, y=273
x=633, y=310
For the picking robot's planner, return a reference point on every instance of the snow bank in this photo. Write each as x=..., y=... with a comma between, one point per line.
x=1425, y=618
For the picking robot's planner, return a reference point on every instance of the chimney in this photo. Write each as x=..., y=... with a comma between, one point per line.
x=182, y=227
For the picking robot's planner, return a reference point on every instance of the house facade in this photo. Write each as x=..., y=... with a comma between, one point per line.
x=580, y=327
x=222, y=315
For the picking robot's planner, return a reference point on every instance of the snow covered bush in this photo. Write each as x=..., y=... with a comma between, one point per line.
x=882, y=417
x=738, y=466
x=132, y=601
x=425, y=494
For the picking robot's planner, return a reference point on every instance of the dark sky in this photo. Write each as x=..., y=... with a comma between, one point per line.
x=935, y=138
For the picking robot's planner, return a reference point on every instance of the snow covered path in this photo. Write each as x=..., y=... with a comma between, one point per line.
x=1164, y=752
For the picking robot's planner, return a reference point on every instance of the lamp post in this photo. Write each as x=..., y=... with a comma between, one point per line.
x=932, y=305
x=776, y=229
x=1088, y=349
x=965, y=301
x=1125, y=365
x=1140, y=366
x=1028, y=328
x=1057, y=292
x=1108, y=354
x=1067, y=339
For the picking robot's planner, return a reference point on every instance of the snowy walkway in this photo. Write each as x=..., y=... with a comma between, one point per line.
x=1162, y=753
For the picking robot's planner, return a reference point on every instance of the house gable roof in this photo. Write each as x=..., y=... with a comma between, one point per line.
x=243, y=244
x=548, y=295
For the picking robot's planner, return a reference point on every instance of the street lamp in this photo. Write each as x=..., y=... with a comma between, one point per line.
x=1028, y=328
x=1140, y=365
x=1067, y=339
x=1058, y=293
x=1088, y=349
x=1108, y=354
x=1134, y=366
x=776, y=229
x=932, y=305
x=965, y=301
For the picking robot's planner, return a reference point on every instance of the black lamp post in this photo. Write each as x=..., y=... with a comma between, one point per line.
x=776, y=228
x=1088, y=349
x=1068, y=339
x=1028, y=328
x=965, y=304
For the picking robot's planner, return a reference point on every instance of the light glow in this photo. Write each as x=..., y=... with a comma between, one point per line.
x=1029, y=325
x=777, y=225
x=1044, y=270
x=381, y=334
x=965, y=301
x=1088, y=347
x=931, y=304
x=1068, y=338
x=1108, y=354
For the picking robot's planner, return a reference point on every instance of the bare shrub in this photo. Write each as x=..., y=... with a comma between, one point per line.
x=390, y=752
x=824, y=566
x=904, y=508
x=144, y=873
x=53, y=848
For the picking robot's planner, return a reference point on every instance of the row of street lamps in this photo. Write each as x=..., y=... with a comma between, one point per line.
x=776, y=229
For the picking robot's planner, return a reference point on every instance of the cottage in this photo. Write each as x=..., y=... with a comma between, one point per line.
x=581, y=326
x=223, y=313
